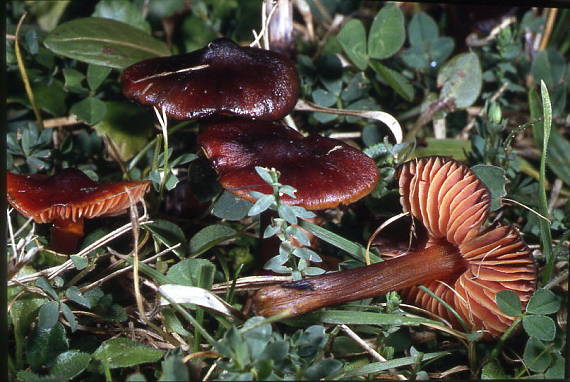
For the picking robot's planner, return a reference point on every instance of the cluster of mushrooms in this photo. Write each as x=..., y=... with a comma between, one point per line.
x=241, y=94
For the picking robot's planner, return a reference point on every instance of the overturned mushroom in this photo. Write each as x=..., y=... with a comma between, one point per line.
x=326, y=172
x=462, y=263
x=220, y=79
x=66, y=199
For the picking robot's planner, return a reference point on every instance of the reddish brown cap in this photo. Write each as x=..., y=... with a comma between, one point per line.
x=452, y=204
x=326, y=172
x=222, y=78
x=69, y=195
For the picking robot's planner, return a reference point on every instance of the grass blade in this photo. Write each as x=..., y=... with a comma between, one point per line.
x=545, y=234
x=356, y=250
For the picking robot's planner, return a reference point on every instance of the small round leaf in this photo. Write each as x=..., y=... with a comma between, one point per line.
x=509, y=303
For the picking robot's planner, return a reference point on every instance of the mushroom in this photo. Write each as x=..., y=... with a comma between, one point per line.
x=220, y=79
x=66, y=199
x=460, y=262
x=326, y=172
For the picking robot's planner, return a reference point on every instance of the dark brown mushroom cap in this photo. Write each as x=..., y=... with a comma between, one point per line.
x=69, y=195
x=227, y=80
x=326, y=172
x=452, y=204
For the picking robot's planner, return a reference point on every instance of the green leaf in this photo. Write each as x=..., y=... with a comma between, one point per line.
x=455, y=148
x=376, y=367
x=122, y=10
x=495, y=179
x=168, y=234
x=493, y=370
x=387, y=33
x=70, y=364
x=257, y=338
x=421, y=29
x=173, y=323
x=556, y=370
x=79, y=262
x=324, y=98
x=230, y=207
x=237, y=347
x=173, y=368
x=275, y=351
x=96, y=75
x=23, y=312
x=104, y=42
x=30, y=376
x=209, y=237
x=287, y=213
x=548, y=66
x=356, y=250
x=348, y=317
x=123, y=352
x=416, y=58
x=398, y=82
x=74, y=294
x=509, y=302
x=90, y=110
x=440, y=49
x=311, y=342
x=322, y=369
x=48, y=315
x=264, y=174
x=73, y=80
x=558, y=158
x=543, y=301
x=461, y=80
x=541, y=327
x=193, y=272
x=43, y=284
x=546, y=234
x=352, y=38
x=51, y=98
x=49, y=13
x=128, y=126
x=536, y=356
x=261, y=205
x=44, y=345
x=69, y=316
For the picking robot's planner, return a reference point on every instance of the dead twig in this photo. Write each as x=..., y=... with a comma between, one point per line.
x=367, y=347
x=62, y=121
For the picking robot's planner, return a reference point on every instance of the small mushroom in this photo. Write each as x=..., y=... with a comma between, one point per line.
x=220, y=79
x=326, y=172
x=461, y=262
x=66, y=199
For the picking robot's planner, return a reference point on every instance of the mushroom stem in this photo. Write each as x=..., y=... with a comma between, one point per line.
x=414, y=268
x=65, y=235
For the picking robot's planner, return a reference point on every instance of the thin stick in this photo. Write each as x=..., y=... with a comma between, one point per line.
x=19, y=231
x=128, y=268
x=62, y=121
x=548, y=29
x=136, y=280
x=528, y=208
x=166, y=74
x=367, y=347
x=12, y=237
x=24, y=73
x=210, y=372
x=377, y=231
x=54, y=271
